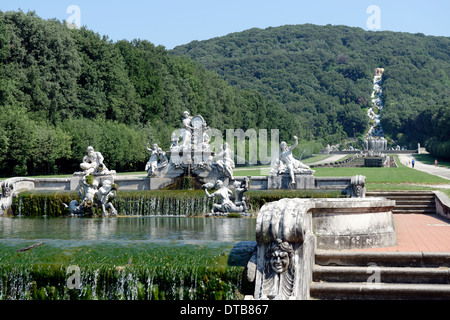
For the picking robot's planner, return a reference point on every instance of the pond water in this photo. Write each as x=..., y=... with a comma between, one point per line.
x=116, y=239
x=142, y=229
x=123, y=258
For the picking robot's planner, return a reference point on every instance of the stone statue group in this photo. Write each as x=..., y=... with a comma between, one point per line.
x=94, y=187
x=190, y=152
x=94, y=196
x=227, y=201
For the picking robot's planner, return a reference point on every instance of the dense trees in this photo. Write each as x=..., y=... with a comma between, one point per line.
x=62, y=90
x=322, y=76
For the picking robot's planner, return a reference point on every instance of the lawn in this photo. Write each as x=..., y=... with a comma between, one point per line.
x=400, y=178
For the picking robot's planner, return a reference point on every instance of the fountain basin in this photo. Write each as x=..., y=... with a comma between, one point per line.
x=129, y=258
x=353, y=223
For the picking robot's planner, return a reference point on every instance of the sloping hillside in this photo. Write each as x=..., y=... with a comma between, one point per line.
x=322, y=75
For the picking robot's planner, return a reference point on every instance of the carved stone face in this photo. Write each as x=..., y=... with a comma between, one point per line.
x=279, y=261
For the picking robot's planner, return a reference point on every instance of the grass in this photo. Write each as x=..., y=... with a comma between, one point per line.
x=400, y=178
x=429, y=159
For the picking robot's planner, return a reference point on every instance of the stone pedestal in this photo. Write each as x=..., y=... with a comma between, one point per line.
x=288, y=232
x=283, y=181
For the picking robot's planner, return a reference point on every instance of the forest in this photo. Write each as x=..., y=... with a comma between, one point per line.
x=322, y=75
x=62, y=90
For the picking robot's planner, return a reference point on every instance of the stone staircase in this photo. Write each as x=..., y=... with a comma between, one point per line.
x=339, y=275
x=409, y=201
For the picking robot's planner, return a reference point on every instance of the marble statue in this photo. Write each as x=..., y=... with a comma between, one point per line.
x=152, y=164
x=358, y=187
x=93, y=195
x=190, y=155
x=93, y=163
x=158, y=160
x=105, y=194
x=289, y=164
x=186, y=132
x=87, y=190
x=224, y=161
x=240, y=187
x=223, y=196
x=279, y=271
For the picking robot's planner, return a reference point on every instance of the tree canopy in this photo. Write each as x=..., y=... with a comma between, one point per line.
x=62, y=90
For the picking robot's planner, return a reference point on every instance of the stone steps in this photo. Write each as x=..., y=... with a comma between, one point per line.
x=340, y=275
x=414, y=202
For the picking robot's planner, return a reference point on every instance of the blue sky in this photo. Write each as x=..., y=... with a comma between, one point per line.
x=176, y=22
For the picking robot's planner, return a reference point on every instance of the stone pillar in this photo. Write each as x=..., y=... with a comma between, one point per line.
x=281, y=267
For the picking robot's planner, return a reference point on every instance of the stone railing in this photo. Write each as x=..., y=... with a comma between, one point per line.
x=352, y=186
x=10, y=188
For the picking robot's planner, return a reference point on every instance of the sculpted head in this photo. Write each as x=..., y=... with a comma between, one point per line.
x=219, y=184
x=280, y=255
x=90, y=150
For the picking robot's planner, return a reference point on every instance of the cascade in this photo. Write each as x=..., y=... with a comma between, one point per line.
x=375, y=140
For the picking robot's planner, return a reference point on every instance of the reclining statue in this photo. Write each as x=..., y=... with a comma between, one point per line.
x=93, y=163
x=224, y=204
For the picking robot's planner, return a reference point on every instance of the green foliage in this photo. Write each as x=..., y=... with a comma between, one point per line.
x=62, y=90
x=322, y=75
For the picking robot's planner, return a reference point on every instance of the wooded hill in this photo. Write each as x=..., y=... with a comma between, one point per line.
x=322, y=76
x=62, y=90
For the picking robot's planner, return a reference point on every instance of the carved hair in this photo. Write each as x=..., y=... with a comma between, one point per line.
x=280, y=245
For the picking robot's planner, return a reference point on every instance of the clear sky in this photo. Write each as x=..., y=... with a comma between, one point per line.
x=176, y=22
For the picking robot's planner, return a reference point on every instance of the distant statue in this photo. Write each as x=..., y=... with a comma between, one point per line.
x=92, y=197
x=240, y=187
x=186, y=132
x=379, y=72
x=225, y=161
x=93, y=163
x=223, y=204
x=158, y=160
x=292, y=165
x=152, y=164
x=87, y=190
x=105, y=194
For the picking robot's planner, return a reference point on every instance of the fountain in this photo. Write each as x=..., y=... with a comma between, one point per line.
x=375, y=140
x=150, y=238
